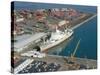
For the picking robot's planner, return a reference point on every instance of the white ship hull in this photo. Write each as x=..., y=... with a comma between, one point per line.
x=51, y=44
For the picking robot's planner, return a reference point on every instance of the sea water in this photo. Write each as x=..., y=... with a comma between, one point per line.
x=87, y=33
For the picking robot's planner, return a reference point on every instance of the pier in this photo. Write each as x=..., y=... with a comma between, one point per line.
x=78, y=25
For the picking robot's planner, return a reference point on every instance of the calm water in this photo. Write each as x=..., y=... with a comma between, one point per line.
x=87, y=32
x=88, y=45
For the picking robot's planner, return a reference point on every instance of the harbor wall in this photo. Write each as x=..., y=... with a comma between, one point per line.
x=78, y=25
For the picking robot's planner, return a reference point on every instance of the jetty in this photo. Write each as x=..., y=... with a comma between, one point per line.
x=78, y=25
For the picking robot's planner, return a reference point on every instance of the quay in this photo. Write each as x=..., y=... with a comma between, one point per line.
x=65, y=63
x=78, y=25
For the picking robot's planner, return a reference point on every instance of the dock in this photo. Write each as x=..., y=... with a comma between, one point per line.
x=78, y=25
x=25, y=42
x=63, y=61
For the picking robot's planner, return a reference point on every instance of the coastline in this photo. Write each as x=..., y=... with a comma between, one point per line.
x=74, y=27
x=78, y=25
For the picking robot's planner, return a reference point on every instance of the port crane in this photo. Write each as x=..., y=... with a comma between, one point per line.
x=76, y=48
x=72, y=57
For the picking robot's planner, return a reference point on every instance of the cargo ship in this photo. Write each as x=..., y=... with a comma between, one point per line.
x=56, y=38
